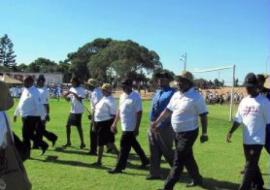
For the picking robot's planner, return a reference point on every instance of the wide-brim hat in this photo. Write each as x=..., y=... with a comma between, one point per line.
x=6, y=101
x=92, y=82
x=251, y=80
x=186, y=75
x=107, y=87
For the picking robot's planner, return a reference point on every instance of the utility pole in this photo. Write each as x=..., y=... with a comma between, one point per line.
x=183, y=58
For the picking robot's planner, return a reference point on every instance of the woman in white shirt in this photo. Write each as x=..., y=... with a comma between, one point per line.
x=75, y=95
x=105, y=111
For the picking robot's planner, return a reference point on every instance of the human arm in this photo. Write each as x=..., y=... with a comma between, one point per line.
x=114, y=125
x=231, y=131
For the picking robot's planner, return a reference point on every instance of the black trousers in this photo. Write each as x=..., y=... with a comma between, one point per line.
x=45, y=133
x=93, y=138
x=49, y=135
x=252, y=174
x=183, y=156
x=32, y=131
x=129, y=140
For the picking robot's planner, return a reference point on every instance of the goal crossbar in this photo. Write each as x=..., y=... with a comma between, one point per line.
x=233, y=81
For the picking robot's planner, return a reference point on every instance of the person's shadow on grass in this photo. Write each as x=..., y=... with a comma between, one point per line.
x=208, y=183
x=69, y=151
x=55, y=160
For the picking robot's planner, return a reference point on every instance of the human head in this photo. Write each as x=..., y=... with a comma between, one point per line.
x=163, y=78
x=41, y=81
x=28, y=81
x=261, y=80
x=251, y=84
x=106, y=89
x=92, y=84
x=127, y=85
x=184, y=81
x=75, y=81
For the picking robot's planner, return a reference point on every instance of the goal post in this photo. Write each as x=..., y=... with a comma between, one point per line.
x=232, y=68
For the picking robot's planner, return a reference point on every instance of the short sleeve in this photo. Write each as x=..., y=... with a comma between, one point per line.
x=71, y=90
x=238, y=116
x=200, y=105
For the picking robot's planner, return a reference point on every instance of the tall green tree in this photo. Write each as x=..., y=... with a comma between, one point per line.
x=7, y=55
x=103, y=58
x=123, y=57
x=43, y=65
x=79, y=60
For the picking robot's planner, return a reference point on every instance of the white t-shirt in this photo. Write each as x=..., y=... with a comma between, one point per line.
x=95, y=97
x=254, y=114
x=105, y=108
x=76, y=105
x=186, y=107
x=44, y=95
x=129, y=106
x=30, y=104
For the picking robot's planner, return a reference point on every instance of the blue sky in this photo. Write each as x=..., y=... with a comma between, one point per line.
x=212, y=32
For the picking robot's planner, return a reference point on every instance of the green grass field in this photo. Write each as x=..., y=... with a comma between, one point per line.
x=220, y=163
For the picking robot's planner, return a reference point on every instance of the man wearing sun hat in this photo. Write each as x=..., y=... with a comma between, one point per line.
x=185, y=106
x=95, y=97
x=161, y=143
x=253, y=114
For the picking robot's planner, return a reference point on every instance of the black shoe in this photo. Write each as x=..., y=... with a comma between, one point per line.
x=54, y=141
x=35, y=147
x=67, y=145
x=115, y=171
x=195, y=183
x=82, y=146
x=150, y=177
x=44, y=149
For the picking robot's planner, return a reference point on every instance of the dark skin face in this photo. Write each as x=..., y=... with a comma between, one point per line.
x=40, y=83
x=91, y=88
x=163, y=82
x=106, y=93
x=183, y=85
x=252, y=91
x=74, y=83
x=260, y=84
x=127, y=89
x=28, y=83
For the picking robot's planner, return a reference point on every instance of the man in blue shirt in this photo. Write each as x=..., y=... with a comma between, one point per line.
x=161, y=143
